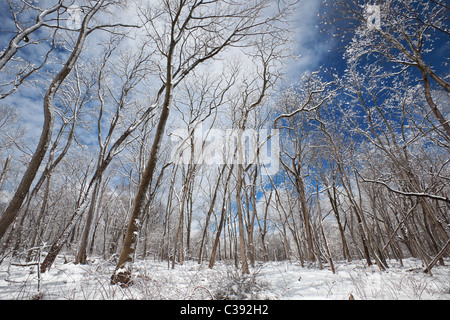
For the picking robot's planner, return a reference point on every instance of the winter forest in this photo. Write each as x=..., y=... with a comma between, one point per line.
x=224, y=149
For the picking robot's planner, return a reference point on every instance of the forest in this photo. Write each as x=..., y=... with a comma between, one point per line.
x=224, y=134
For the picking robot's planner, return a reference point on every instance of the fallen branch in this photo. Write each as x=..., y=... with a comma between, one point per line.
x=438, y=256
x=25, y=264
x=200, y=287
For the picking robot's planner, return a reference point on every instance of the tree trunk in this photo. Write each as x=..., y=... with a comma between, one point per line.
x=179, y=235
x=82, y=250
x=5, y=169
x=222, y=220
x=325, y=243
x=16, y=202
x=208, y=215
x=121, y=276
x=242, y=250
x=14, y=206
x=36, y=230
x=306, y=218
x=438, y=256
x=62, y=239
x=333, y=201
x=434, y=108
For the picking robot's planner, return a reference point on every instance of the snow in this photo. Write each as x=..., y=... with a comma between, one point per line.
x=273, y=280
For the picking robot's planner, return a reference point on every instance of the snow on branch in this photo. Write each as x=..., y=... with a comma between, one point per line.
x=409, y=194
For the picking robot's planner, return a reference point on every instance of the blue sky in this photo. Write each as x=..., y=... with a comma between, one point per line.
x=313, y=49
x=310, y=45
x=28, y=99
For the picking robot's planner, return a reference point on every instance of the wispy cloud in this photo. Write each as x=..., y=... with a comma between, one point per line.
x=307, y=46
x=310, y=46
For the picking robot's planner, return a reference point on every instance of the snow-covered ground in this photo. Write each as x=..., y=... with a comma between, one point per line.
x=274, y=280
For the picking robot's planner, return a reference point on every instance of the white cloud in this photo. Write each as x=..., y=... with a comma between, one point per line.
x=308, y=48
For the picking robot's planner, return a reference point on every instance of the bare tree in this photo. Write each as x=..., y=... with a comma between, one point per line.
x=297, y=104
x=404, y=38
x=74, y=94
x=12, y=210
x=135, y=69
x=201, y=100
x=400, y=145
x=194, y=32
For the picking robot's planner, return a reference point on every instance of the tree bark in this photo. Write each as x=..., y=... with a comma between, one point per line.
x=306, y=217
x=333, y=202
x=242, y=249
x=5, y=169
x=325, y=243
x=82, y=250
x=208, y=215
x=221, y=223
